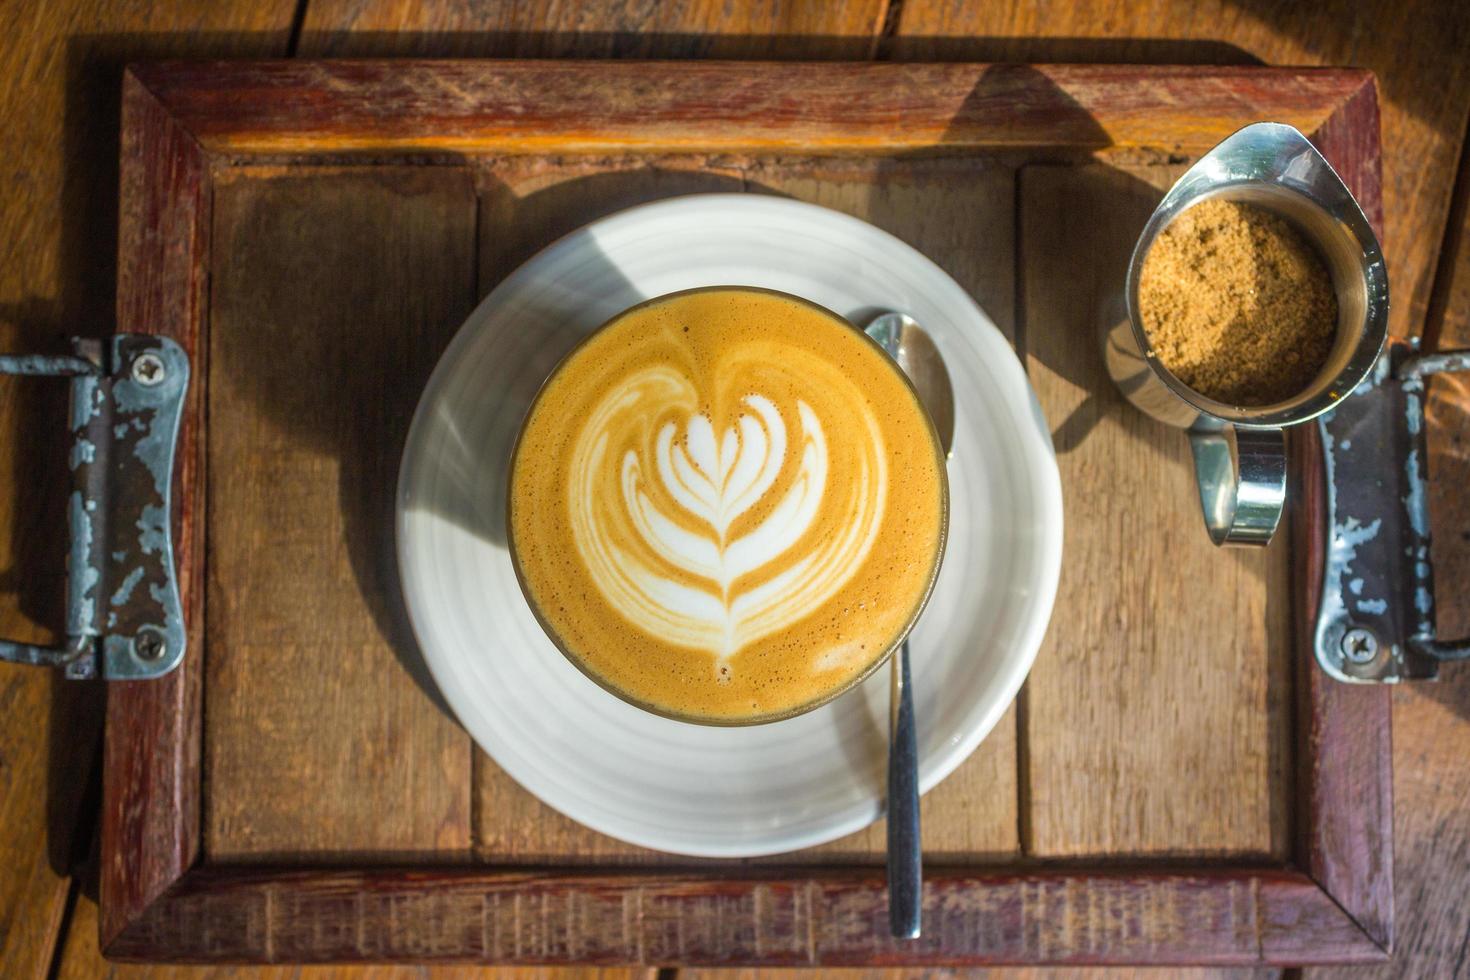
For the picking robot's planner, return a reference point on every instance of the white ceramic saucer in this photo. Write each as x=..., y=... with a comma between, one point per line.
x=720, y=792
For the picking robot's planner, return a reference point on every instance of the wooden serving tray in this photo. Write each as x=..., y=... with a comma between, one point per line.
x=1178, y=783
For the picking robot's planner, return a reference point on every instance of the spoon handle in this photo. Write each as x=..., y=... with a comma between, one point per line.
x=905, y=862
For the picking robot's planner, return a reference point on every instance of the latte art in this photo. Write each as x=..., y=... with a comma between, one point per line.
x=683, y=495
x=726, y=505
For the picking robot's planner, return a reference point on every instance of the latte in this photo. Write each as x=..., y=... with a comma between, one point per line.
x=727, y=505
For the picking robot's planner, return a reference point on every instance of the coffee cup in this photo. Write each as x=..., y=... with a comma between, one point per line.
x=727, y=506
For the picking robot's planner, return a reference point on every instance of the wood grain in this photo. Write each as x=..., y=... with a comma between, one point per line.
x=1157, y=712
x=82, y=960
x=598, y=29
x=1423, y=121
x=1431, y=726
x=615, y=107
x=318, y=739
x=960, y=212
x=1345, y=795
x=150, y=818
x=1430, y=782
x=1448, y=413
x=1431, y=722
x=1001, y=973
x=1345, y=791
x=1224, y=917
x=47, y=750
x=61, y=65
x=525, y=204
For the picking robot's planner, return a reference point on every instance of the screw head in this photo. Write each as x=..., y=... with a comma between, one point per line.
x=148, y=369
x=1359, y=645
x=149, y=645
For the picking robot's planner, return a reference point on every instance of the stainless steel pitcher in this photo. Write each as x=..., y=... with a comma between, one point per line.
x=1239, y=451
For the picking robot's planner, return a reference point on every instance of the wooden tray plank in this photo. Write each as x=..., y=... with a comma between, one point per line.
x=1004, y=973
x=81, y=959
x=1220, y=916
x=533, y=108
x=1447, y=413
x=604, y=28
x=1156, y=715
x=525, y=205
x=318, y=740
x=1344, y=773
x=961, y=213
x=151, y=746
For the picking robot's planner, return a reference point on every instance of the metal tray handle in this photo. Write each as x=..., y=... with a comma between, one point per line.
x=124, y=619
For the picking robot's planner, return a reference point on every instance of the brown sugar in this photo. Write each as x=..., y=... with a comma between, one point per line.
x=1237, y=304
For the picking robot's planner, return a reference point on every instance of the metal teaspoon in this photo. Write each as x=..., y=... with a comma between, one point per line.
x=908, y=344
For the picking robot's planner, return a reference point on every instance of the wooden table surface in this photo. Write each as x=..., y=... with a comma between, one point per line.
x=59, y=81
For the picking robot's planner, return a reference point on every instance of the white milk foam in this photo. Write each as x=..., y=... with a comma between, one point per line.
x=715, y=479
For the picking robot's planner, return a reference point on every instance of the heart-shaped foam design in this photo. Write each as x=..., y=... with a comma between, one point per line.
x=714, y=540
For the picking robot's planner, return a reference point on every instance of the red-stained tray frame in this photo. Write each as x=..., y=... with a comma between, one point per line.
x=182, y=122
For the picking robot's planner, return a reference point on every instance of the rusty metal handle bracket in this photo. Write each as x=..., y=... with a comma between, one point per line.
x=1376, y=620
x=124, y=620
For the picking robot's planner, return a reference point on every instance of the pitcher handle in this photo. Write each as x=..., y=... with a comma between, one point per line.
x=1241, y=474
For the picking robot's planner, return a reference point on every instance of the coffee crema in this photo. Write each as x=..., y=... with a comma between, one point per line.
x=726, y=505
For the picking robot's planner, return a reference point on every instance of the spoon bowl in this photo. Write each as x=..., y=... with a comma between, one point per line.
x=914, y=350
